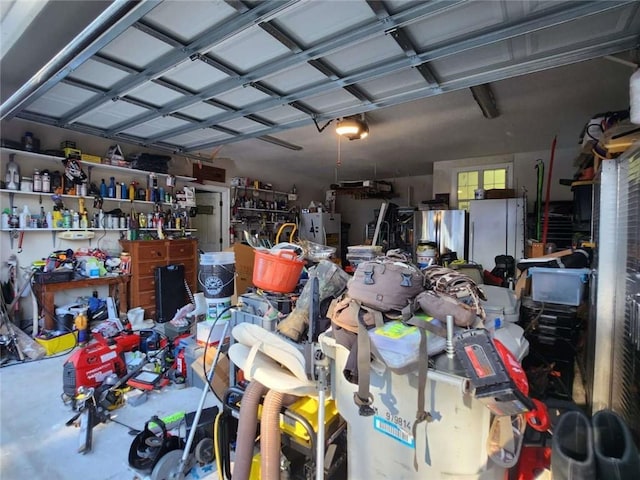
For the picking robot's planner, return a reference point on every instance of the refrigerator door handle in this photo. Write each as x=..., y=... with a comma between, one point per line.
x=471, y=235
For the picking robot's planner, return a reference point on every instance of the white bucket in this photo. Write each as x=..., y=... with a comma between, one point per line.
x=479, y=194
x=206, y=337
x=215, y=307
x=426, y=255
x=216, y=274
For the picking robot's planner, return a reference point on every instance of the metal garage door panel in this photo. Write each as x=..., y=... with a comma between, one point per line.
x=197, y=137
x=396, y=83
x=155, y=127
x=294, y=78
x=283, y=113
x=334, y=100
x=243, y=125
x=315, y=21
x=185, y=20
x=201, y=111
x=98, y=74
x=581, y=30
x=154, y=94
x=195, y=76
x=455, y=23
x=241, y=97
x=135, y=48
x=365, y=54
x=59, y=100
x=110, y=114
x=249, y=49
x=471, y=61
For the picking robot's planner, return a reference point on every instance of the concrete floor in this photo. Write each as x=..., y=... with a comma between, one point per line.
x=36, y=444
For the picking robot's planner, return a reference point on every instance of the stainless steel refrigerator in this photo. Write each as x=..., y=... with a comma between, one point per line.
x=447, y=228
x=322, y=228
x=496, y=227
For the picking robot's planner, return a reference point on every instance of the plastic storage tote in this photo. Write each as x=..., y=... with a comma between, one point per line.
x=558, y=285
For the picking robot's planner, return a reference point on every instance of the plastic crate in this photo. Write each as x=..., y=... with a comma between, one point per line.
x=564, y=286
x=238, y=316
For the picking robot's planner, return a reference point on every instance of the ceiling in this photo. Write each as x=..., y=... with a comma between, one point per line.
x=256, y=81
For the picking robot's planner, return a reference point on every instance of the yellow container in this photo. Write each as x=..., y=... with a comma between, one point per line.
x=85, y=157
x=58, y=344
x=71, y=151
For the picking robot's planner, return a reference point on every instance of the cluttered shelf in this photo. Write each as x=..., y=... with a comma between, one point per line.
x=365, y=189
x=91, y=165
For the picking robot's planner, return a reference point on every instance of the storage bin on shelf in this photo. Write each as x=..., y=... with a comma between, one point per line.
x=564, y=286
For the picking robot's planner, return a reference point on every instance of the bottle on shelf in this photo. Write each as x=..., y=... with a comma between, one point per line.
x=37, y=180
x=124, y=191
x=25, y=217
x=103, y=189
x=111, y=191
x=75, y=220
x=84, y=220
x=46, y=182
x=66, y=219
x=132, y=191
x=14, y=218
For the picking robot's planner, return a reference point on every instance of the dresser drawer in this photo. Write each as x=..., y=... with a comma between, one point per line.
x=149, y=252
x=143, y=284
x=145, y=269
x=178, y=249
x=144, y=299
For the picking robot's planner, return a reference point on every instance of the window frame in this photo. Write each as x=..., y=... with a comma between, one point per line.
x=480, y=169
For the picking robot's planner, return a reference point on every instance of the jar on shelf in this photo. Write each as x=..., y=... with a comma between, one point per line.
x=27, y=141
x=26, y=184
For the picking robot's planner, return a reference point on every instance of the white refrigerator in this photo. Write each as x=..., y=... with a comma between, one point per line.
x=496, y=227
x=322, y=228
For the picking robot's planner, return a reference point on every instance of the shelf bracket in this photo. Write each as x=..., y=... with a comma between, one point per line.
x=53, y=239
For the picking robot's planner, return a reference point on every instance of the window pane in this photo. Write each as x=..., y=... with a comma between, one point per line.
x=473, y=180
x=463, y=205
x=501, y=177
x=462, y=179
x=488, y=179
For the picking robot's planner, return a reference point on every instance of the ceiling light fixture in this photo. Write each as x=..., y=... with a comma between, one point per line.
x=353, y=128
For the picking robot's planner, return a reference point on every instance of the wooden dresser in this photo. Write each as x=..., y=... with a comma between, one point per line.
x=146, y=255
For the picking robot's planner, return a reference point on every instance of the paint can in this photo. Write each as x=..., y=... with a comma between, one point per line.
x=216, y=274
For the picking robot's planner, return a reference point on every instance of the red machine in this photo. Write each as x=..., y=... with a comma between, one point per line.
x=91, y=364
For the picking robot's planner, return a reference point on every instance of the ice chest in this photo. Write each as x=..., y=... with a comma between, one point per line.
x=558, y=285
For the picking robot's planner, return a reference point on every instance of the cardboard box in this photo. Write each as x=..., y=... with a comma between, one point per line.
x=244, y=258
x=220, y=380
x=535, y=249
x=500, y=193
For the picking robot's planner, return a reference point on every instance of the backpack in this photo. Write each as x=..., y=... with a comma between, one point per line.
x=386, y=283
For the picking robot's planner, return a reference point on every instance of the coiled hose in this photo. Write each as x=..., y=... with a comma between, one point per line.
x=270, y=434
x=247, y=425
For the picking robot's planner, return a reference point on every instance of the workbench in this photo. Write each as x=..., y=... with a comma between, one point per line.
x=45, y=292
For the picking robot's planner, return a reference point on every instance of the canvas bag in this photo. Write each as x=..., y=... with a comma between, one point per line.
x=457, y=285
x=386, y=283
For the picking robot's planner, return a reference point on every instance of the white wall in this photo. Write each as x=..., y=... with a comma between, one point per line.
x=410, y=191
x=524, y=173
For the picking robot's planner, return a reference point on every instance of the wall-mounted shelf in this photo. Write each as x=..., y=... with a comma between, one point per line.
x=87, y=197
x=263, y=210
x=94, y=166
x=264, y=190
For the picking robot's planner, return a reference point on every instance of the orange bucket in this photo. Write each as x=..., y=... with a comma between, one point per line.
x=276, y=272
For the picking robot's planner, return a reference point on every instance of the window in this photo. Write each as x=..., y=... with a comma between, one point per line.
x=468, y=181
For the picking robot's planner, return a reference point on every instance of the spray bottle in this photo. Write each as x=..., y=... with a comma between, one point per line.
x=82, y=325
